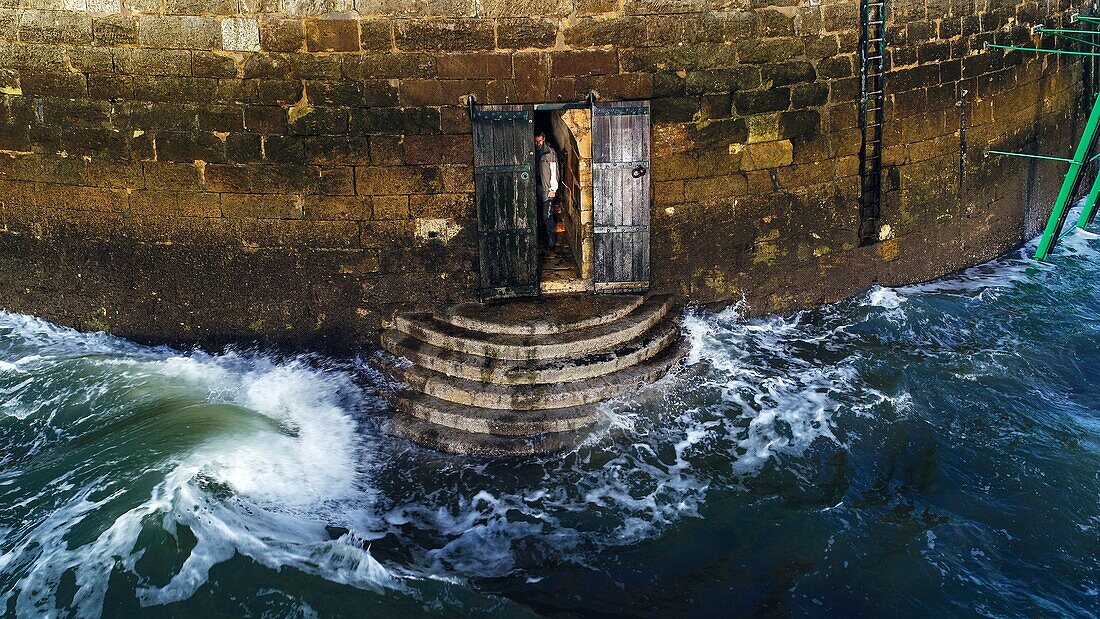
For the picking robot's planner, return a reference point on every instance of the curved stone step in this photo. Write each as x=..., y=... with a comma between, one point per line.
x=502, y=422
x=538, y=397
x=511, y=372
x=579, y=343
x=441, y=438
x=543, y=316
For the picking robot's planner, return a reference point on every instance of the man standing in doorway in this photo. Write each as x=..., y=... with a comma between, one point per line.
x=546, y=183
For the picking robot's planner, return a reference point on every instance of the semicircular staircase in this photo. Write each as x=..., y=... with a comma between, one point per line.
x=523, y=377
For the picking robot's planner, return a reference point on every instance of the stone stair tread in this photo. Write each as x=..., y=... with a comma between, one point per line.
x=574, y=343
x=441, y=438
x=504, y=422
x=536, y=371
x=543, y=396
x=542, y=316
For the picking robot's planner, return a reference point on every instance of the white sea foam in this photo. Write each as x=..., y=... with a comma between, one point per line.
x=284, y=479
x=885, y=297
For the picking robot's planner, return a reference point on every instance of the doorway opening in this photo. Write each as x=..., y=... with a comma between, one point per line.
x=563, y=268
x=601, y=207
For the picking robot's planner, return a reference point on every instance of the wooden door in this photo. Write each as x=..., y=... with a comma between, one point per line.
x=621, y=195
x=504, y=177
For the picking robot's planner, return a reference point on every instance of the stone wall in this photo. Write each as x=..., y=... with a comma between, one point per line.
x=296, y=171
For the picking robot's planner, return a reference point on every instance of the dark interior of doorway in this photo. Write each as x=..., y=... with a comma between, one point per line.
x=562, y=264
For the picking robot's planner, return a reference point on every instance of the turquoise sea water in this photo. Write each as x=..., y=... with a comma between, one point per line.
x=931, y=450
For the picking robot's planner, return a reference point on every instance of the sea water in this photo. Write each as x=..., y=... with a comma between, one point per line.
x=929, y=450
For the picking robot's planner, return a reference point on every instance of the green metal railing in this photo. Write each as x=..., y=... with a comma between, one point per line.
x=1085, y=146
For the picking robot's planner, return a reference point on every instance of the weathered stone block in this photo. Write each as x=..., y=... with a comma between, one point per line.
x=525, y=33
x=444, y=205
x=179, y=203
x=338, y=181
x=114, y=30
x=328, y=92
x=329, y=208
x=376, y=181
x=167, y=175
x=240, y=34
x=474, y=65
x=213, y=64
x=716, y=134
x=775, y=22
x=341, y=150
x=200, y=7
x=806, y=95
x=762, y=155
x=278, y=34
x=376, y=35
x=522, y=8
x=395, y=121
x=220, y=118
x=583, y=62
x=428, y=149
x=617, y=31
x=191, y=146
x=175, y=32
x=388, y=66
x=147, y=62
x=532, y=75
x=788, y=73
x=387, y=149
x=104, y=6
x=615, y=87
x=722, y=80
x=332, y=35
x=682, y=58
x=687, y=29
x=445, y=34
x=111, y=87
x=319, y=120
x=70, y=85
x=762, y=101
x=415, y=92
x=55, y=27
x=770, y=50
x=260, y=206
x=390, y=207
x=379, y=93
x=799, y=123
x=115, y=174
x=175, y=89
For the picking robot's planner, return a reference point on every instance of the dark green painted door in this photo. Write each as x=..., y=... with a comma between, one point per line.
x=504, y=176
x=621, y=195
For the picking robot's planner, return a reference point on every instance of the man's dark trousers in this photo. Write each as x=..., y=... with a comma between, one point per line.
x=546, y=208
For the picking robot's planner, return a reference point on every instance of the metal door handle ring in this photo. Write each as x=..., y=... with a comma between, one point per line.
x=638, y=172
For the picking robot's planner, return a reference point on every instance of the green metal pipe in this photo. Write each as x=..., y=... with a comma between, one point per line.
x=1029, y=156
x=1089, y=209
x=1042, y=30
x=1058, y=214
x=1087, y=19
x=1039, y=49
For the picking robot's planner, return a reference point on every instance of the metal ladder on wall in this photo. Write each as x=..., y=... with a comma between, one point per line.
x=872, y=103
x=1085, y=153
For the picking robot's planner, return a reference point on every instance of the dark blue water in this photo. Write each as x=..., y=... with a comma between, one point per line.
x=930, y=450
